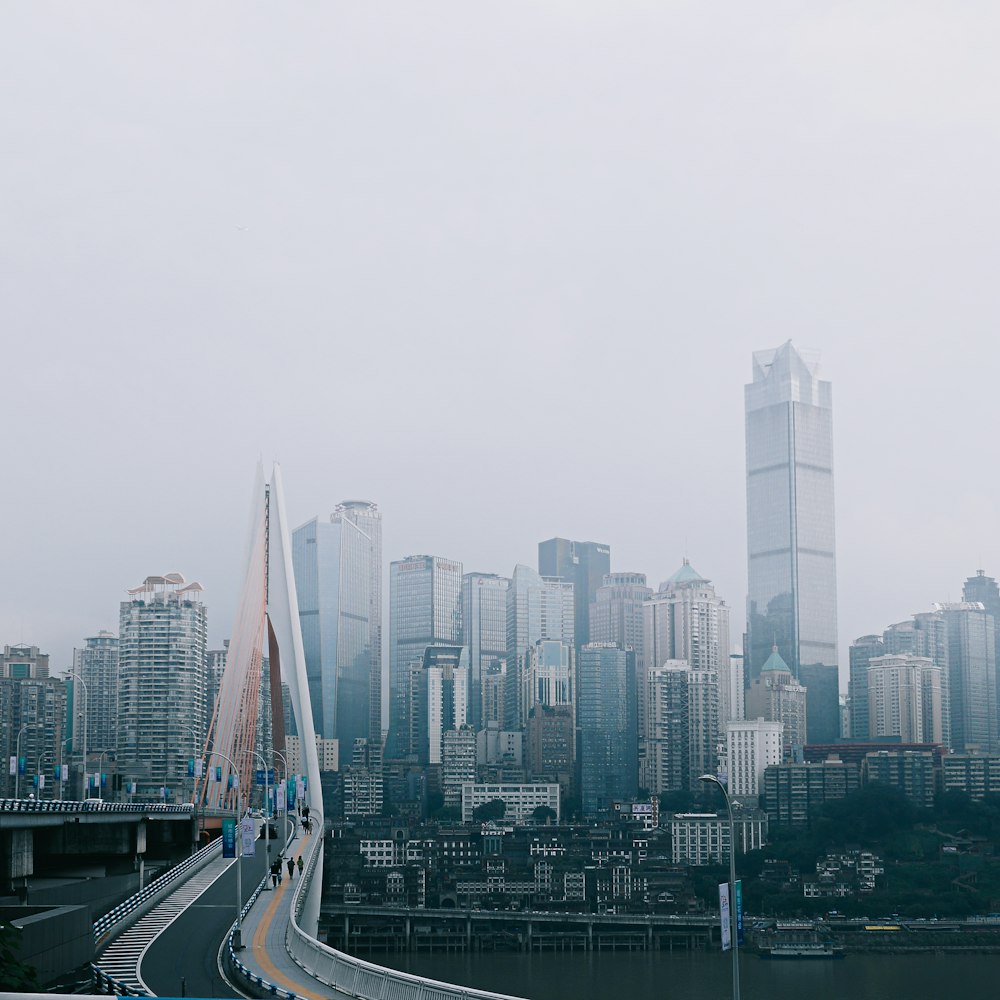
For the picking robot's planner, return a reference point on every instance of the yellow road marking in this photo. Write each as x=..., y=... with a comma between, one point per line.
x=259, y=943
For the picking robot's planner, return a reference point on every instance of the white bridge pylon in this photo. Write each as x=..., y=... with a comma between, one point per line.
x=267, y=612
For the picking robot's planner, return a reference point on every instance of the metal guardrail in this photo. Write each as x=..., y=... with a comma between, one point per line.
x=64, y=806
x=347, y=975
x=144, y=900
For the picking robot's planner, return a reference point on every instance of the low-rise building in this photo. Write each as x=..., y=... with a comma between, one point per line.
x=520, y=800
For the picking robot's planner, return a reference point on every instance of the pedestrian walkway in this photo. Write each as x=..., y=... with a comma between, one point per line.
x=121, y=959
x=266, y=926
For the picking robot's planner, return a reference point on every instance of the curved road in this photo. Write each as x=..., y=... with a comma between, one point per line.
x=188, y=949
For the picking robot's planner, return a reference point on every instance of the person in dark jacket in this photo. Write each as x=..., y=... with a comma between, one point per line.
x=291, y=867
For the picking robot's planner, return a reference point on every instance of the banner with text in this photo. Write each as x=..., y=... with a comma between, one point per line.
x=725, y=919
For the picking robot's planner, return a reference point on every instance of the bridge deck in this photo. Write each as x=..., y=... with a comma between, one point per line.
x=265, y=928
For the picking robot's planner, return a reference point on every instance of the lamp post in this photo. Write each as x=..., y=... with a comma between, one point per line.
x=712, y=779
x=284, y=765
x=267, y=811
x=62, y=763
x=238, y=935
x=86, y=722
x=38, y=770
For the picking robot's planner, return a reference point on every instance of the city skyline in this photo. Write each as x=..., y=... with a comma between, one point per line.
x=548, y=223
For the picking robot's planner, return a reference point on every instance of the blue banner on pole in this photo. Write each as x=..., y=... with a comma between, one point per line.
x=260, y=776
x=739, y=912
x=191, y=768
x=229, y=838
x=290, y=791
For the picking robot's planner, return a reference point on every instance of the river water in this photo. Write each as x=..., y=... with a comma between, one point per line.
x=708, y=976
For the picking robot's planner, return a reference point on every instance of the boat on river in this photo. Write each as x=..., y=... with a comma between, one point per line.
x=797, y=940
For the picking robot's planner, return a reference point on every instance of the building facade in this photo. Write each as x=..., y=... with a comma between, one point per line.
x=484, y=634
x=608, y=747
x=161, y=667
x=584, y=565
x=752, y=746
x=425, y=608
x=792, y=597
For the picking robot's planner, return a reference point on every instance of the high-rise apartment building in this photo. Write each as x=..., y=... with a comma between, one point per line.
x=161, y=669
x=583, y=564
x=686, y=620
x=444, y=683
x=667, y=761
x=904, y=698
x=97, y=664
x=425, y=609
x=776, y=696
x=33, y=709
x=537, y=608
x=608, y=747
x=333, y=564
x=753, y=745
x=484, y=634
x=792, y=596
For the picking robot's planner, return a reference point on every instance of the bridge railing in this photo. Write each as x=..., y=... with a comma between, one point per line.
x=69, y=806
x=135, y=906
x=345, y=974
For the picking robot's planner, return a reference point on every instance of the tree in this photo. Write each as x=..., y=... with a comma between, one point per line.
x=543, y=814
x=15, y=975
x=492, y=810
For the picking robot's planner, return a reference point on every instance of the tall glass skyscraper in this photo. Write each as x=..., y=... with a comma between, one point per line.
x=332, y=561
x=583, y=564
x=484, y=633
x=425, y=608
x=792, y=568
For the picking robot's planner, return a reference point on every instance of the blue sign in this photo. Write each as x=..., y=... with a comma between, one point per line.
x=22, y=765
x=229, y=838
x=218, y=773
x=290, y=791
x=265, y=777
x=739, y=912
x=191, y=768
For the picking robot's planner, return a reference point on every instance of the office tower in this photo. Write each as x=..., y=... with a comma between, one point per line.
x=368, y=519
x=537, y=608
x=608, y=746
x=550, y=744
x=985, y=590
x=776, y=696
x=583, y=564
x=161, y=669
x=972, y=676
x=332, y=561
x=667, y=763
x=97, y=664
x=686, y=620
x=32, y=724
x=616, y=616
x=752, y=746
x=904, y=698
x=484, y=634
x=862, y=652
x=425, y=608
x=549, y=677
x=792, y=596
x=494, y=690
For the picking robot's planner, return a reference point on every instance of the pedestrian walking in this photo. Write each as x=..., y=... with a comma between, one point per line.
x=275, y=872
x=300, y=864
x=291, y=867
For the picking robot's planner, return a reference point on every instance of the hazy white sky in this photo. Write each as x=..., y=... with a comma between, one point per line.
x=499, y=267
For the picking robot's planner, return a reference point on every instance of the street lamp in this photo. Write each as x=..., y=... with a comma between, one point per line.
x=267, y=812
x=38, y=770
x=194, y=756
x=86, y=722
x=712, y=779
x=62, y=762
x=238, y=936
